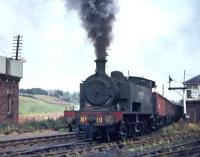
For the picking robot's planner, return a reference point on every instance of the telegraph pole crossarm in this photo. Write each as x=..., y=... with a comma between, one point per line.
x=177, y=88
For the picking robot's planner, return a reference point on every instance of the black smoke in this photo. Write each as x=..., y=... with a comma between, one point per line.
x=97, y=17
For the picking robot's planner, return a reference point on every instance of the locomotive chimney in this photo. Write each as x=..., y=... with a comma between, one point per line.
x=100, y=65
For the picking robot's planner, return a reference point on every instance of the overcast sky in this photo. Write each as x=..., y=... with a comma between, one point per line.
x=151, y=38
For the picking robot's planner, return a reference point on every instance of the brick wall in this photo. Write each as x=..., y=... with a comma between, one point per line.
x=9, y=100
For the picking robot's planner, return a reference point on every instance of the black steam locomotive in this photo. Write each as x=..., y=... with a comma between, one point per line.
x=119, y=105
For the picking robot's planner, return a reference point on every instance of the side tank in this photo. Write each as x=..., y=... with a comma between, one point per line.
x=135, y=93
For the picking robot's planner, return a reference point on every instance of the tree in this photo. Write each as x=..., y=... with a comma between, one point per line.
x=58, y=93
x=34, y=91
x=67, y=96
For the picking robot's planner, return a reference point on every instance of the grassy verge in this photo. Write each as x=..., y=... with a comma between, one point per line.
x=30, y=126
x=179, y=127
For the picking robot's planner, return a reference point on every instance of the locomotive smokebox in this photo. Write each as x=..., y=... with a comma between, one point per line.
x=100, y=65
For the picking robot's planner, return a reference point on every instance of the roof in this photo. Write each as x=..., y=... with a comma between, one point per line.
x=194, y=80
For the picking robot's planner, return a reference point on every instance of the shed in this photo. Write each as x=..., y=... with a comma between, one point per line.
x=193, y=99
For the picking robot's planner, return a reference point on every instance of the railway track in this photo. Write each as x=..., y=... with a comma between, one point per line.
x=85, y=147
x=46, y=146
x=16, y=145
x=54, y=149
x=141, y=142
x=127, y=144
x=188, y=148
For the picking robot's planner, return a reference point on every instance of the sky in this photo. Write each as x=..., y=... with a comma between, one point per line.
x=151, y=39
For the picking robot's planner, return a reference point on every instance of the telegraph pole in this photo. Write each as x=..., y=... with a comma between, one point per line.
x=17, y=46
x=184, y=96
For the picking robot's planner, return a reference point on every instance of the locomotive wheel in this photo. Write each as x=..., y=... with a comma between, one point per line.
x=123, y=131
x=90, y=132
x=70, y=128
x=132, y=132
x=139, y=129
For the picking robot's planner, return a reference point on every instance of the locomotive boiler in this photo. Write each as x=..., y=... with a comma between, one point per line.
x=117, y=105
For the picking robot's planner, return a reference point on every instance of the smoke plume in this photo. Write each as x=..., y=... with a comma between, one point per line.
x=97, y=17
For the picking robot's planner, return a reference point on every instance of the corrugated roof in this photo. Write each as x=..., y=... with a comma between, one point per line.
x=194, y=80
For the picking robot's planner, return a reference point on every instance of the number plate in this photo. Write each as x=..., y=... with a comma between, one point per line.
x=83, y=119
x=99, y=120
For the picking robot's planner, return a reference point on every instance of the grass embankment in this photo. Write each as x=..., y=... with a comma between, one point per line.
x=35, y=105
x=38, y=112
x=40, y=107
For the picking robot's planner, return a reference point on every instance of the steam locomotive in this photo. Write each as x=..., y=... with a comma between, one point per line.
x=119, y=105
